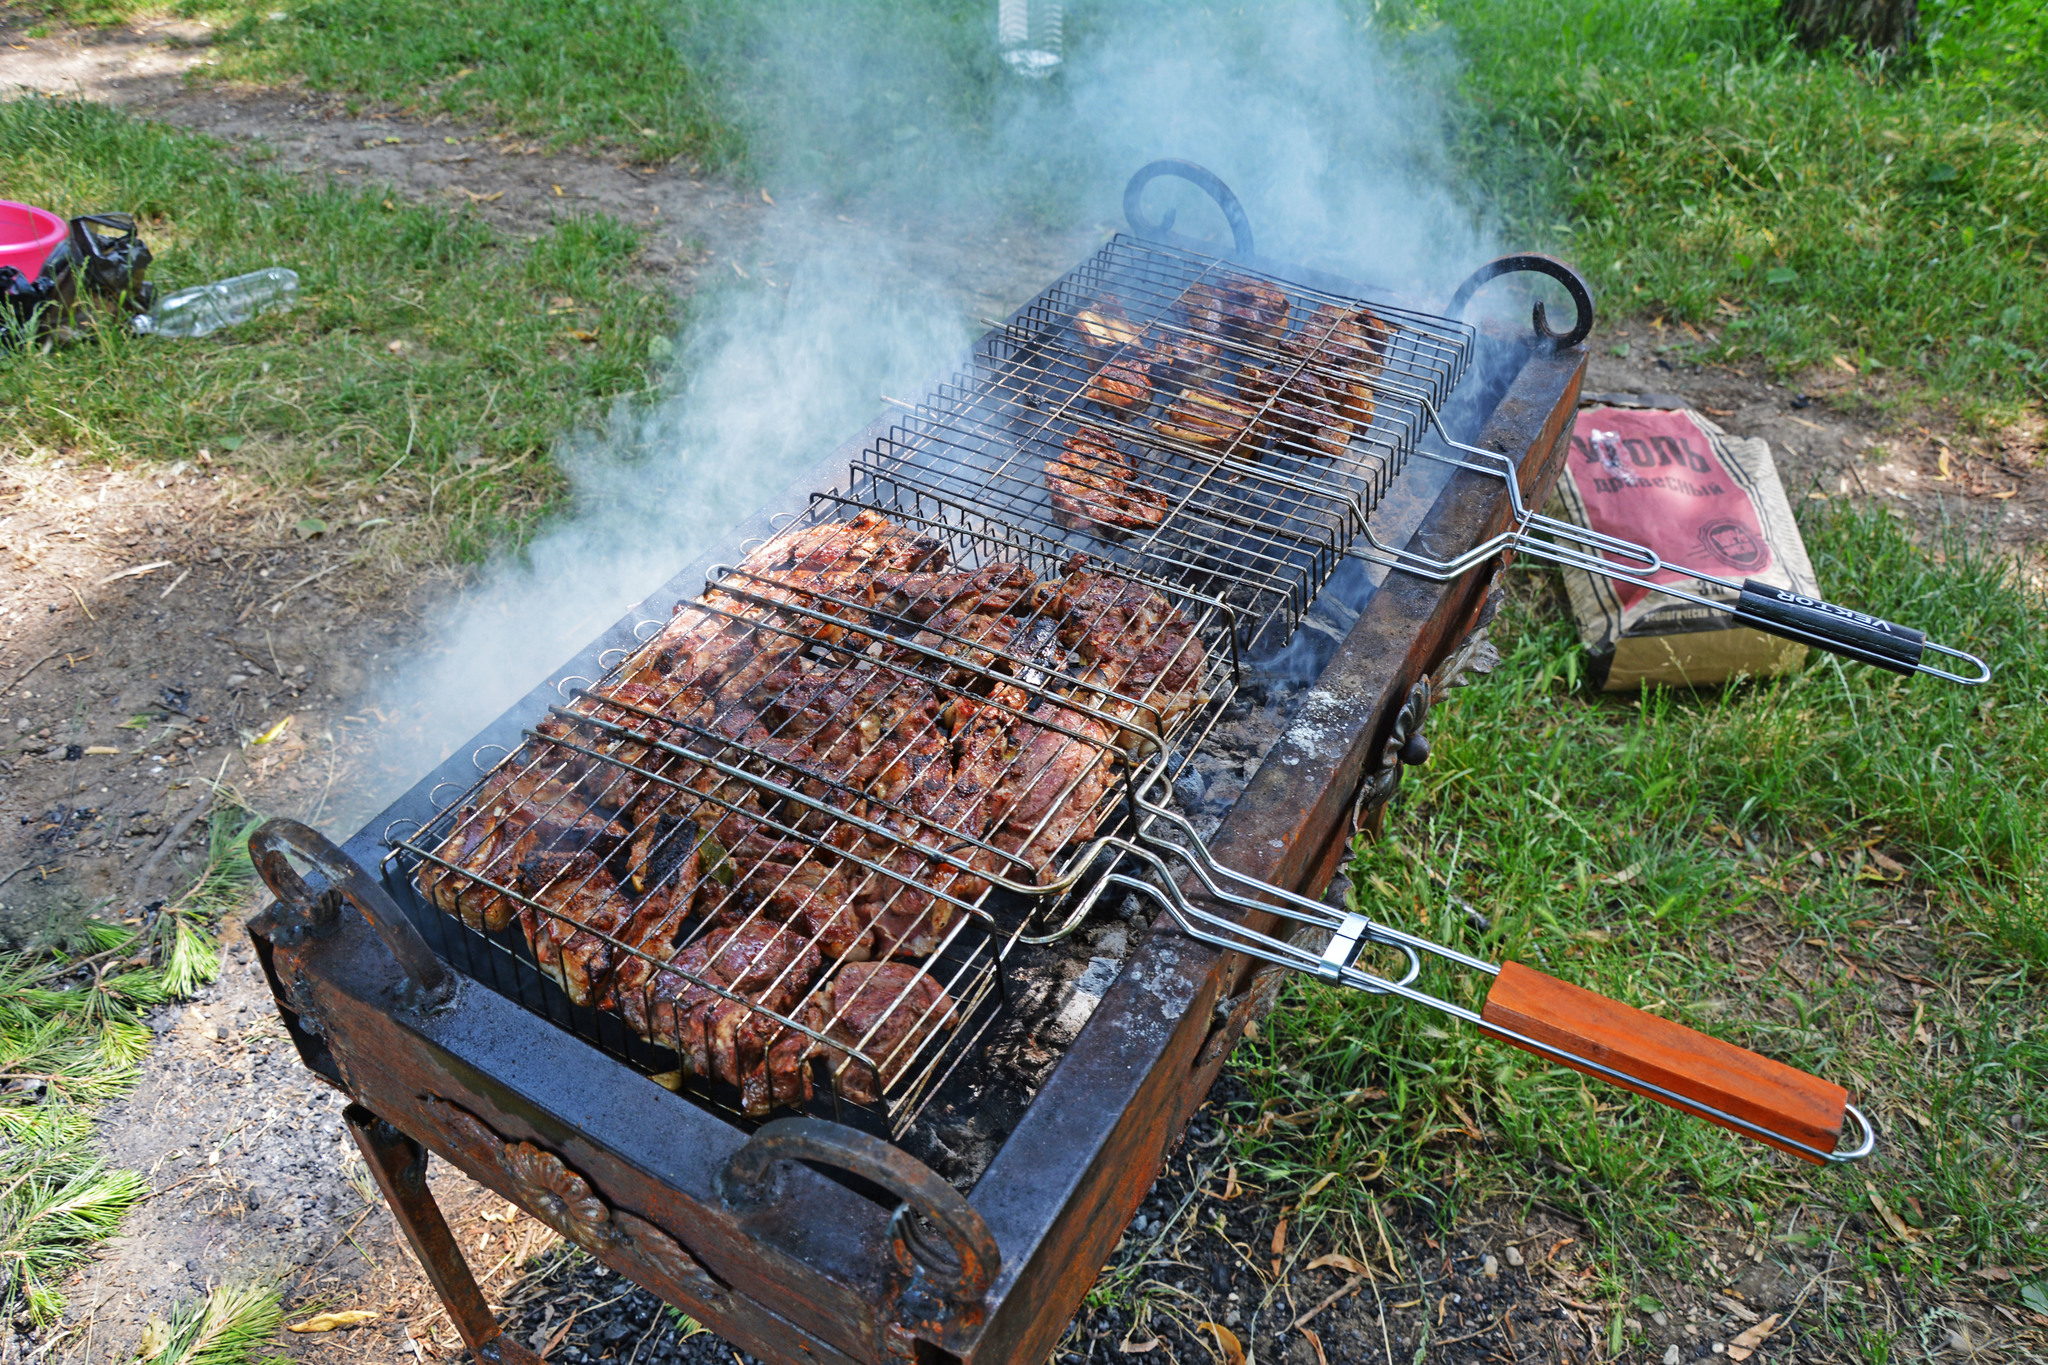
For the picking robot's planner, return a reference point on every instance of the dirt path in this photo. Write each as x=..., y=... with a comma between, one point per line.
x=181, y=596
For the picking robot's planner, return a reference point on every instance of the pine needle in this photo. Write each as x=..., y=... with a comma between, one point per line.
x=72, y=1037
x=224, y=1328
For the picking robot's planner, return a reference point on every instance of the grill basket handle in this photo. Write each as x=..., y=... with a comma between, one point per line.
x=1203, y=179
x=340, y=877
x=1525, y=1005
x=960, y=1263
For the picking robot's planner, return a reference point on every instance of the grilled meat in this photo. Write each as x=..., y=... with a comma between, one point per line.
x=1237, y=308
x=919, y=774
x=516, y=812
x=1254, y=312
x=1296, y=415
x=1121, y=384
x=1205, y=419
x=1345, y=349
x=1103, y=325
x=885, y=1012
x=1182, y=359
x=1094, y=488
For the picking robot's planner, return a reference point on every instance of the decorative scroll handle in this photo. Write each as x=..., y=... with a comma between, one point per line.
x=313, y=908
x=1574, y=284
x=960, y=1265
x=1202, y=178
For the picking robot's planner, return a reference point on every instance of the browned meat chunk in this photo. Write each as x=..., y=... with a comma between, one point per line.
x=1238, y=308
x=1295, y=415
x=1094, y=488
x=1204, y=419
x=1121, y=384
x=1254, y=312
x=1345, y=349
x=883, y=1014
x=1103, y=326
x=1183, y=359
x=1048, y=797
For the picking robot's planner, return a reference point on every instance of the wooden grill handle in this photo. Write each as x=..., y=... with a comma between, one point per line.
x=1658, y=1052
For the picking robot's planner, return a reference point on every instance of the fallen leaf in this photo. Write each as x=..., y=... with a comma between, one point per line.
x=1891, y=1220
x=1745, y=1344
x=1313, y=1190
x=1944, y=465
x=1338, y=1261
x=1843, y=362
x=1231, y=1189
x=156, y=1334
x=1888, y=864
x=493, y=197
x=328, y=1322
x=1138, y=1348
x=2008, y=493
x=765, y=199
x=270, y=736
x=1233, y=1350
x=1317, y=1342
x=560, y=1333
x=1279, y=1246
x=583, y=336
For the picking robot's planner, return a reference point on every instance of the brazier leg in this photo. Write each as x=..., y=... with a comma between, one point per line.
x=400, y=1165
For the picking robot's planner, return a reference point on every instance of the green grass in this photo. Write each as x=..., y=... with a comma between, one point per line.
x=71, y=1028
x=424, y=378
x=1699, y=165
x=1686, y=854
x=597, y=73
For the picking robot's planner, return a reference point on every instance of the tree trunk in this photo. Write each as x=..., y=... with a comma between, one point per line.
x=1886, y=25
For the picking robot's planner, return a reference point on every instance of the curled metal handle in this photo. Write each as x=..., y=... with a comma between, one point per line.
x=313, y=906
x=960, y=1263
x=1574, y=284
x=1203, y=179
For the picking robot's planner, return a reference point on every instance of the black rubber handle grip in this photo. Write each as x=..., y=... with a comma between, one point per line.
x=1839, y=630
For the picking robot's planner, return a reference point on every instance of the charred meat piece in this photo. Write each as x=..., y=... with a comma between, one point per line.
x=516, y=811
x=1135, y=643
x=919, y=596
x=1103, y=325
x=572, y=938
x=1237, y=308
x=1345, y=349
x=1254, y=312
x=1295, y=416
x=1121, y=384
x=1182, y=359
x=1204, y=305
x=1047, y=797
x=1094, y=488
x=769, y=966
x=1205, y=419
x=882, y=1011
x=867, y=540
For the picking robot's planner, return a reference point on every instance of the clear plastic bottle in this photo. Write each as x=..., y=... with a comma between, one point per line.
x=1028, y=35
x=206, y=308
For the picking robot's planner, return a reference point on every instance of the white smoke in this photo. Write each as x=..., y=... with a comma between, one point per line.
x=1335, y=143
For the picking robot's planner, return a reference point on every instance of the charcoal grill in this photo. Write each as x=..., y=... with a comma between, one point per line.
x=799, y=1222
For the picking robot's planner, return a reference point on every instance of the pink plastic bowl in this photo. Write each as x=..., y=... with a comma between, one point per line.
x=27, y=236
